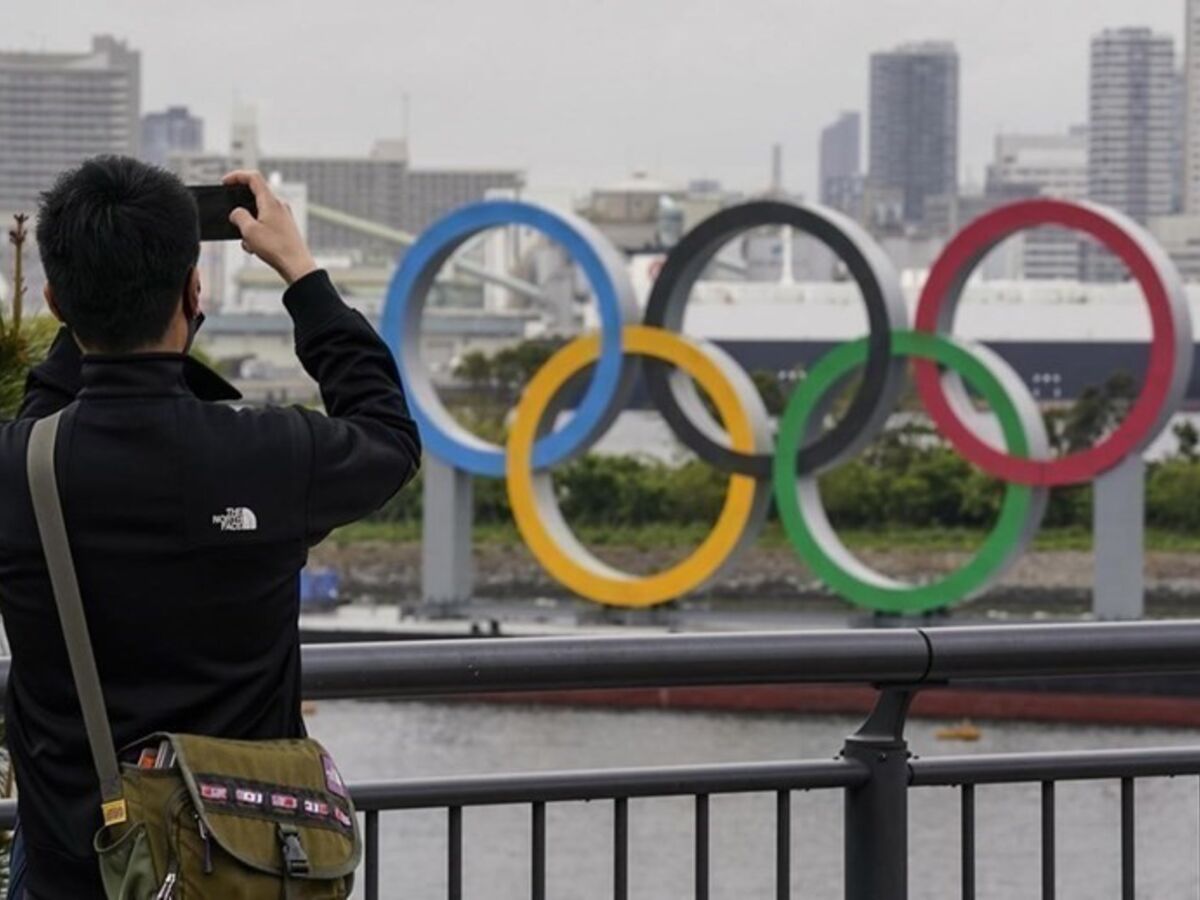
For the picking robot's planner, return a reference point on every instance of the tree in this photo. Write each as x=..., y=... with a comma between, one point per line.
x=513, y=366
x=773, y=395
x=1097, y=411
x=1188, y=438
x=23, y=342
x=475, y=369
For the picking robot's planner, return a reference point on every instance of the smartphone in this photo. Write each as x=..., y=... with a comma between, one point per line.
x=215, y=202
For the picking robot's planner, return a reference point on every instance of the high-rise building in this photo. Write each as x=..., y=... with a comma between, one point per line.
x=1191, y=92
x=839, y=167
x=383, y=187
x=431, y=193
x=1130, y=126
x=1048, y=165
x=1178, y=141
x=1131, y=103
x=380, y=187
x=914, y=125
x=57, y=109
x=371, y=187
x=175, y=130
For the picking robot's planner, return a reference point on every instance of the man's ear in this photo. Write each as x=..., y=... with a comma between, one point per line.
x=191, y=294
x=48, y=294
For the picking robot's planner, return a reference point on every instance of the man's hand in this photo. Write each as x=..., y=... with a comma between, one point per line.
x=273, y=237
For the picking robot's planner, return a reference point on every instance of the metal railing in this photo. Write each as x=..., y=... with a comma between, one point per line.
x=874, y=769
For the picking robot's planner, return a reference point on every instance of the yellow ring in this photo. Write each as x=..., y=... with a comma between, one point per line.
x=531, y=494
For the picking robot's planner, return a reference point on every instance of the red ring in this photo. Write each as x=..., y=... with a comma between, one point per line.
x=944, y=284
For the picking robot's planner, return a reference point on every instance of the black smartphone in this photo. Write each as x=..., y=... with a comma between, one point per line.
x=215, y=202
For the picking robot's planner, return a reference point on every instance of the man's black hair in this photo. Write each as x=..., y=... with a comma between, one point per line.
x=117, y=238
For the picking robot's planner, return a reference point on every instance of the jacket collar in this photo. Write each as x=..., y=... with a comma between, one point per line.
x=152, y=375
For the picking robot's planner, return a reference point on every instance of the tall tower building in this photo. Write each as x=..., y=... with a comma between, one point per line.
x=914, y=125
x=174, y=130
x=1191, y=113
x=1130, y=126
x=839, y=163
x=57, y=109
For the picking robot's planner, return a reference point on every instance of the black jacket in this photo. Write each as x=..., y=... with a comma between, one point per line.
x=189, y=523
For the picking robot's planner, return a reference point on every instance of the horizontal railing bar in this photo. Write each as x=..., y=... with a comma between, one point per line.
x=726, y=778
x=490, y=665
x=879, y=656
x=872, y=656
x=1011, y=768
x=600, y=784
x=1110, y=648
x=605, y=784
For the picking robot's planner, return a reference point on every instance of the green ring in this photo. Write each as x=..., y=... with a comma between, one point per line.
x=1007, y=535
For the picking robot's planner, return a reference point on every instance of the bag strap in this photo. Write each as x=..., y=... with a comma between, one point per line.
x=52, y=529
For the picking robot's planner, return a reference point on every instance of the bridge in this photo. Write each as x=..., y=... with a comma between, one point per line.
x=874, y=769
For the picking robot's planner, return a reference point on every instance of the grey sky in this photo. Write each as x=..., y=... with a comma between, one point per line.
x=583, y=91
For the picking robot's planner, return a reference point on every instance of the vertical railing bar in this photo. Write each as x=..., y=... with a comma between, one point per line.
x=621, y=849
x=1127, y=839
x=1048, y=879
x=371, y=852
x=454, y=855
x=538, y=876
x=968, y=842
x=702, y=847
x=783, y=845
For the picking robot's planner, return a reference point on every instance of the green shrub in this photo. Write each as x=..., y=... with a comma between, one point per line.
x=1173, y=495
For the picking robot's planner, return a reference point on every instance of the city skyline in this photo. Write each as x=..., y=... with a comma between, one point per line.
x=486, y=88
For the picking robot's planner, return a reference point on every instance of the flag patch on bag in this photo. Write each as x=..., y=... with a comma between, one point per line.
x=249, y=797
x=284, y=801
x=218, y=793
x=316, y=808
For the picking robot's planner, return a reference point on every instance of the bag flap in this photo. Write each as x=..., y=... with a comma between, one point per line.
x=249, y=793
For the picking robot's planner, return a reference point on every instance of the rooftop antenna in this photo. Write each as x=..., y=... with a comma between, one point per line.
x=406, y=113
x=785, y=233
x=776, y=170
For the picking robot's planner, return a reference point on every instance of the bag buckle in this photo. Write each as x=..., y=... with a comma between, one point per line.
x=295, y=860
x=114, y=811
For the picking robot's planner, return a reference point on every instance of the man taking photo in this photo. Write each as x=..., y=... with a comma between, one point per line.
x=189, y=520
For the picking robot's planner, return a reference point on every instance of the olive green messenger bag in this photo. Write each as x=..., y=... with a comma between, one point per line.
x=187, y=816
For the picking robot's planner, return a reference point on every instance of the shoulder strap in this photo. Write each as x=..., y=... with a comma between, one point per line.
x=47, y=509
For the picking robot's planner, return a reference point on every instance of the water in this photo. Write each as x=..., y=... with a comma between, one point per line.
x=392, y=740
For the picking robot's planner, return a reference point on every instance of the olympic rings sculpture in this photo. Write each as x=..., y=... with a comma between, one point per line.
x=1009, y=442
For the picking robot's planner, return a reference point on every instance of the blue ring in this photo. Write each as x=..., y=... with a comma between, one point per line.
x=405, y=302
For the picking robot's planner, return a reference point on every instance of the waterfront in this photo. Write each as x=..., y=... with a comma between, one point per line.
x=384, y=740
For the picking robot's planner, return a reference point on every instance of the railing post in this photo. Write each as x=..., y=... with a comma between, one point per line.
x=876, y=854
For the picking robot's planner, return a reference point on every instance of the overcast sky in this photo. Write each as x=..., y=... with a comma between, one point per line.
x=579, y=92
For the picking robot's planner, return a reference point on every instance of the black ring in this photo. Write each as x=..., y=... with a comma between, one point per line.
x=876, y=278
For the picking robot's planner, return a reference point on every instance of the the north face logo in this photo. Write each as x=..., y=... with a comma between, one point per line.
x=236, y=518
